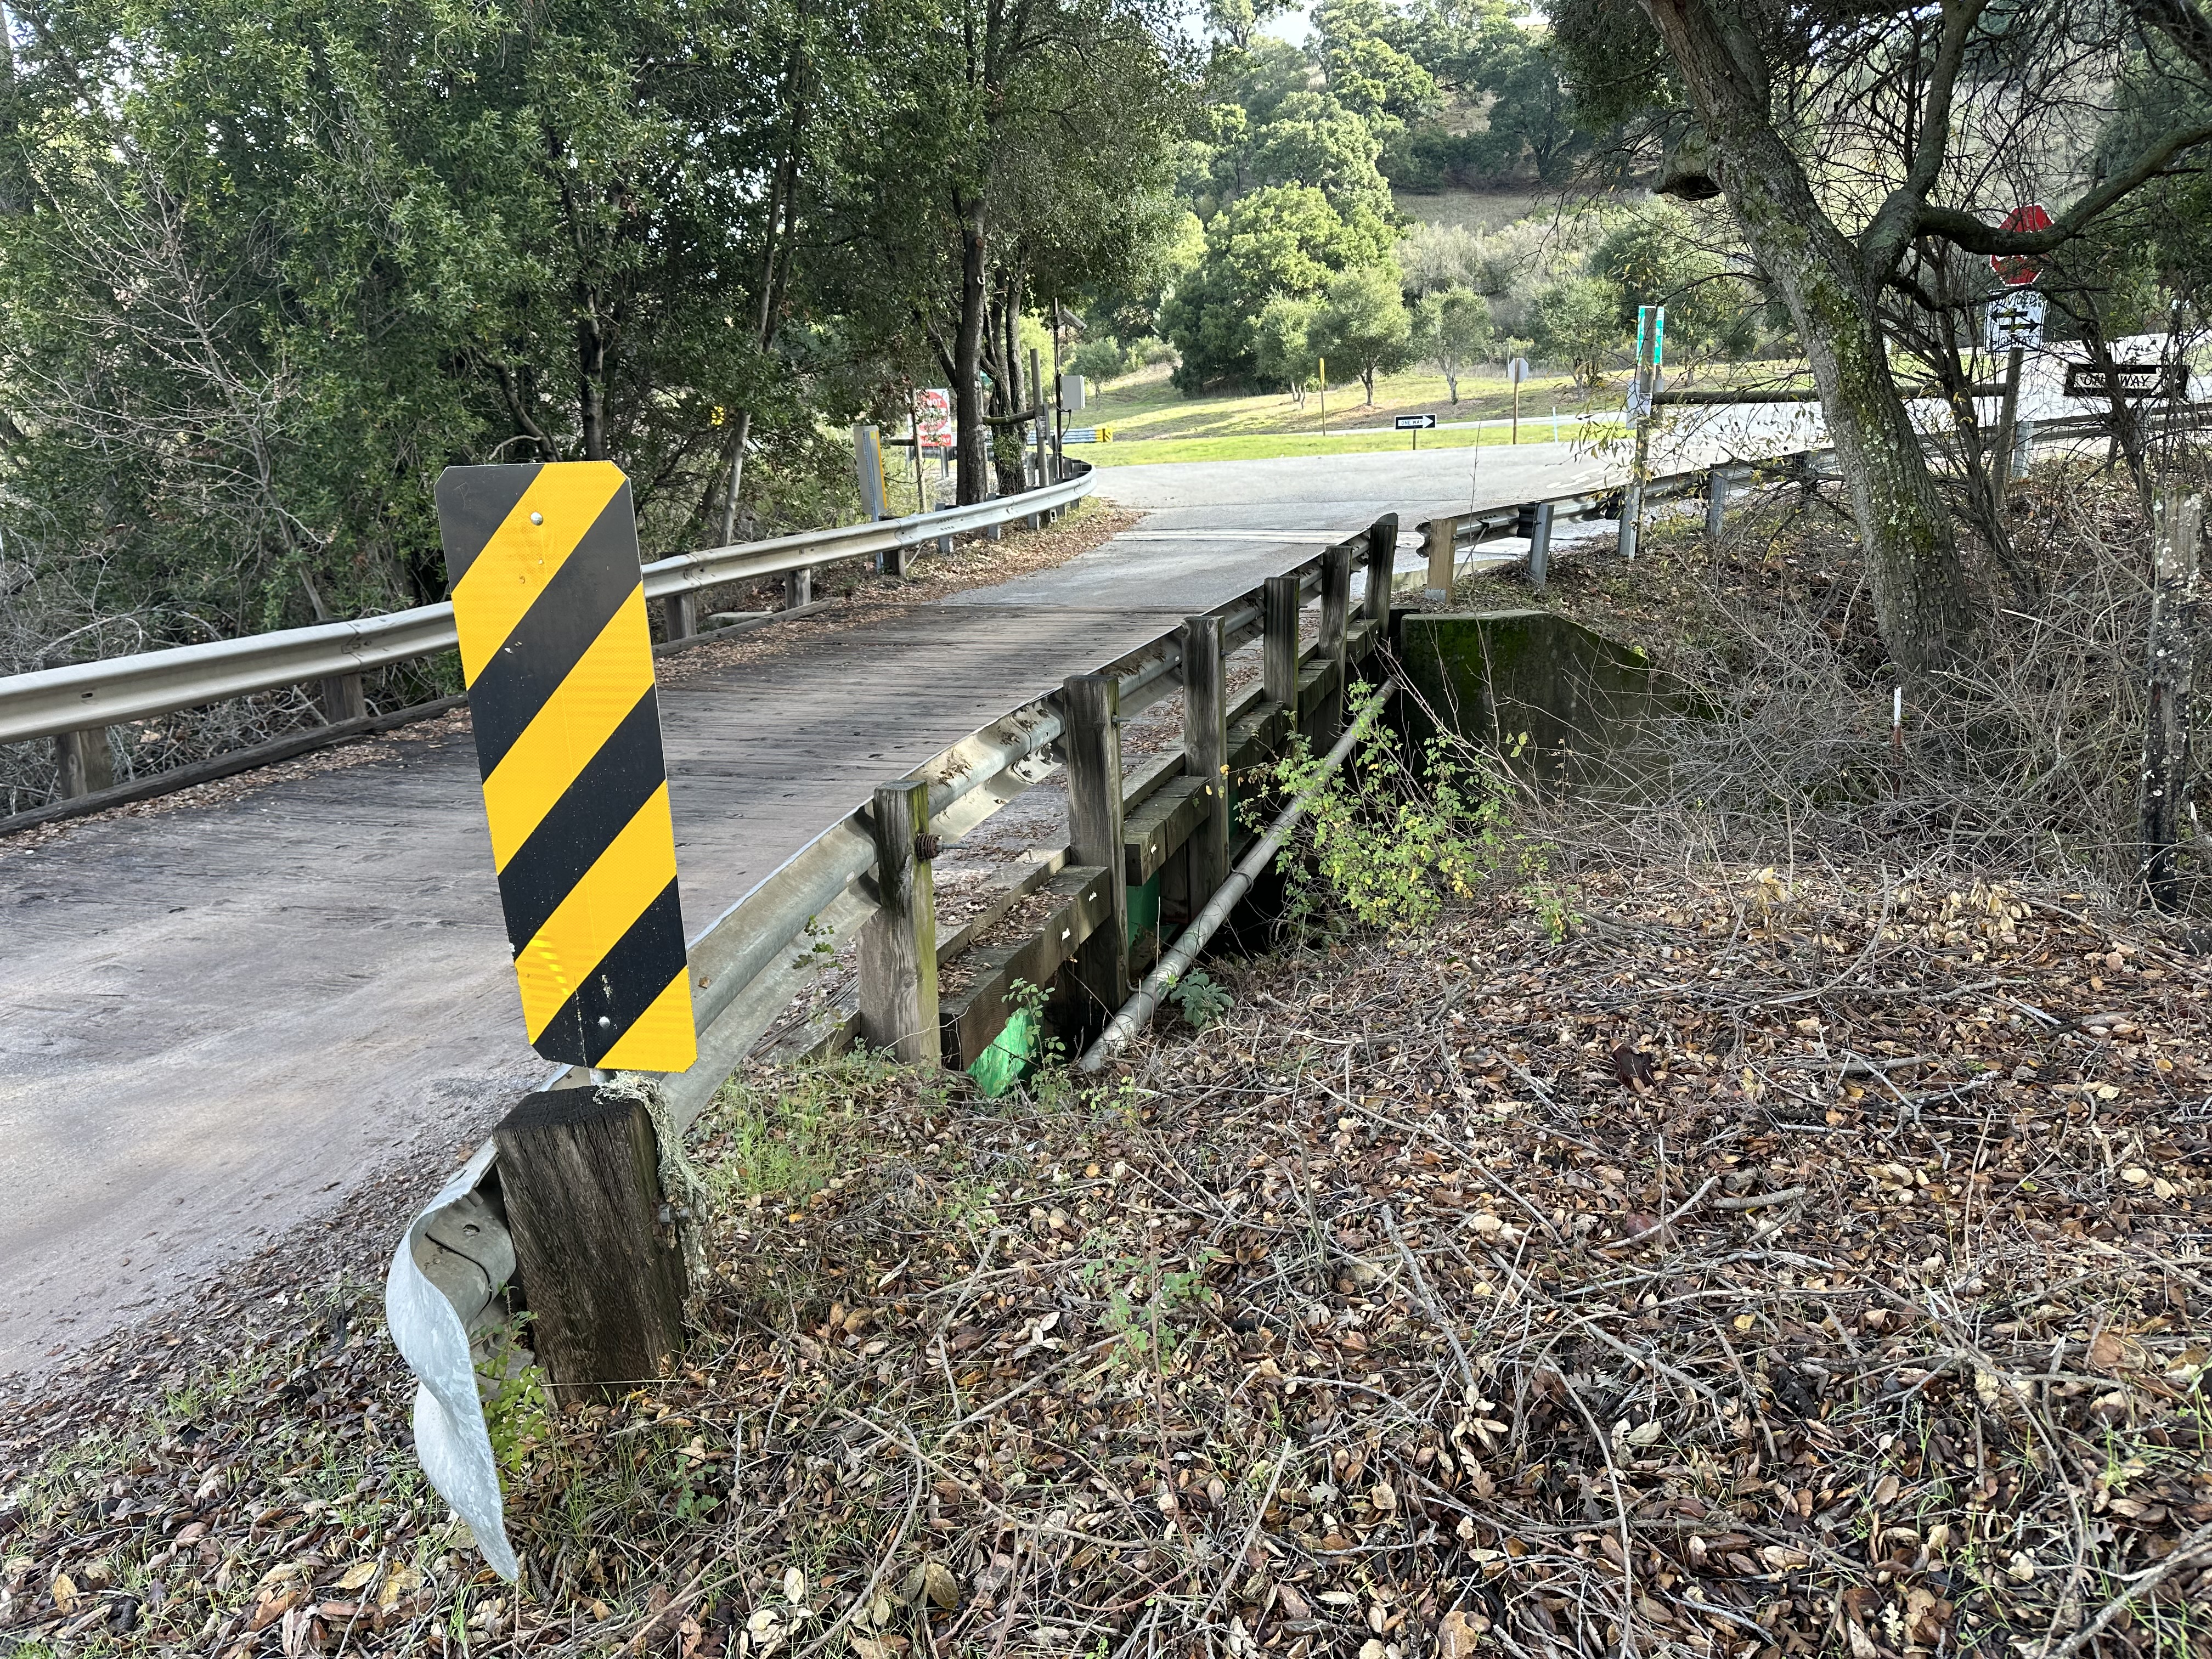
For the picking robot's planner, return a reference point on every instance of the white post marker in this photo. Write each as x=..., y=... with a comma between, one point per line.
x=1650, y=350
x=1517, y=371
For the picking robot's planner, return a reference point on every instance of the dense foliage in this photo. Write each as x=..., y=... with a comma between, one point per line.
x=265, y=269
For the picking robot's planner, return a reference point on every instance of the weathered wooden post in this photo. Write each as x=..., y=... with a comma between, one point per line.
x=2001, y=459
x=898, y=946
x=1278, y=645
x=595, y=1245
x=799, y=588
x=1717, y=480
x=1441, y=536
x=1091, y=748
x=1335, y=622
x=341, y=698
x=82, y=760
x=1206, y=752
x=1382, y=566
x=679, y=615
x=2178, y=525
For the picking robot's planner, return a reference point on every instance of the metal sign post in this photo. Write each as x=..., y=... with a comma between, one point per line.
x=1516, y=371
x=1650, y=350
x=1416, y=425
x=2015, y=326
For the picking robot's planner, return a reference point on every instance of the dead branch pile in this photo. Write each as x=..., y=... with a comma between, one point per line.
x=2026, y=760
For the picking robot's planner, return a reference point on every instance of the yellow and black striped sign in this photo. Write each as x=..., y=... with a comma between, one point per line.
x=551, y=608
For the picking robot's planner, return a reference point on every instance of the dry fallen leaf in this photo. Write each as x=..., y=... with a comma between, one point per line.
x=939, y=1584
x=1457, y=1635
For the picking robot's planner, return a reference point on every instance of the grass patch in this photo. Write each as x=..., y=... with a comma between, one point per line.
x=1266, y=446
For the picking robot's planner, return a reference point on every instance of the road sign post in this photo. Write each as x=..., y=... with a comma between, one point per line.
x=548, y=606
x=1416, y=425
x=1516, y=371
x=1650, y=350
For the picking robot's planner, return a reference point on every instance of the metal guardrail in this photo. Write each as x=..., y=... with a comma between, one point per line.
x=49, y=701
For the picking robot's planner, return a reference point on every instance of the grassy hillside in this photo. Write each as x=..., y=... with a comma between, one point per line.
x=1152, y=421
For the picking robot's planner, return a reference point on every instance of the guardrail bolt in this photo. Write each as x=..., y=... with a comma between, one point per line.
x=927, y=847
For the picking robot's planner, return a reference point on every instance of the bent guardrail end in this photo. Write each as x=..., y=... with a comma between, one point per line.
x=452, y=1441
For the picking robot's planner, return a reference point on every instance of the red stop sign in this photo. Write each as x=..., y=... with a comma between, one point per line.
x=2016, y=270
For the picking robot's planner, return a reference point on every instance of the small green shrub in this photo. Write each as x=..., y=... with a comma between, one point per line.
x=1387, y=845
x=1200, y=1000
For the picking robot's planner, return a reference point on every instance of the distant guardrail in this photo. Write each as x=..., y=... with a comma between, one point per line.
x=51, y=703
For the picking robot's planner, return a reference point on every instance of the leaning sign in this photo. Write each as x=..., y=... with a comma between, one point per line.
x=2127, y=381
x=550, y=605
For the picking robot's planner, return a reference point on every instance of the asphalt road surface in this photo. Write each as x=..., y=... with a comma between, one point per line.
x=217, y=1021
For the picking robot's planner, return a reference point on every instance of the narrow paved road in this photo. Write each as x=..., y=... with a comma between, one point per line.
x=216, y=1021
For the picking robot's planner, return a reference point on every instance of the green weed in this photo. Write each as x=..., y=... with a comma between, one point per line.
x=1387, y=845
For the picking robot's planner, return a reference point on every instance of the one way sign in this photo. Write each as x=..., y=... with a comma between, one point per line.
x=1415, y=422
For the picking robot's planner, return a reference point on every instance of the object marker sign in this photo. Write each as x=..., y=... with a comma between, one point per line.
x=550, y=605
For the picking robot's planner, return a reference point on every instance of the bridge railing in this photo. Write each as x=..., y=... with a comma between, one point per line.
x=53, y=702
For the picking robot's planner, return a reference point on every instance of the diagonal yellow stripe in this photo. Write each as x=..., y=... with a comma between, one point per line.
x=603, y=686
x=522, y=557
x=662, y=1038
x=638, y=864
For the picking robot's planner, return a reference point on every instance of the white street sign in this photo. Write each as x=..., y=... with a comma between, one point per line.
x=2017, y=320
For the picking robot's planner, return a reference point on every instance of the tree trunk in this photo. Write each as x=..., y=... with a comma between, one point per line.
x=1921, y=598
x=591, y=384
x=1009, y=456
x=968, y=358
x=1922, y=601
x=1367, y=379
x=736, y=477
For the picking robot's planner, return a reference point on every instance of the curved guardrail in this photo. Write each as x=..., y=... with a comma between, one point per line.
x=112, y=690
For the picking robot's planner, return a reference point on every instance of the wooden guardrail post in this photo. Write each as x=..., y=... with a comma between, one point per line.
x=898, y=945
x=1206, y=752
x=594, y=1246
x=341, y=698
x=1279, y=644
x=1335, y=622
x=679, y=616
x=799, y=588
x=83, y=762
x=1091, y=747
x=1441, y=544
x=1382, y=566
